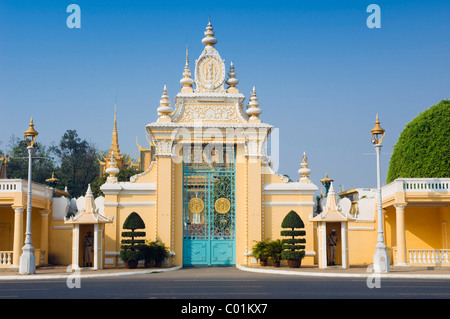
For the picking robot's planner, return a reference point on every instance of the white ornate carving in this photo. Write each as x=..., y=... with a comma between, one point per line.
x=209, y=113
x=209, y=71
x=255, y=147
x=163, y=147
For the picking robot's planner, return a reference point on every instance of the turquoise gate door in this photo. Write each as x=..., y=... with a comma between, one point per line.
x=209, y=207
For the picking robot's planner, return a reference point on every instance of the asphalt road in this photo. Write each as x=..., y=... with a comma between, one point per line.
x=241, y=291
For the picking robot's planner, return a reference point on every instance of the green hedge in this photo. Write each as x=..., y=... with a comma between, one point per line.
x=291, y=249
x=423, y=148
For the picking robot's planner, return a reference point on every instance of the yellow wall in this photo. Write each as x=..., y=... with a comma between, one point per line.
x=6, y=228
x=60, y=243
x=423, y=227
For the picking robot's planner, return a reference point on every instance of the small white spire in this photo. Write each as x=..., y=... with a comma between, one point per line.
x=232, y=81
x=164, y=109
x=253, y=110
x=209, y=39
x=187, y=81
x=304, y=171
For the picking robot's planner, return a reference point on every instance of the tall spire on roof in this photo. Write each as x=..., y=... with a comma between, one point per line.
x=115, y=143
x=115, y=135
x=187, y=81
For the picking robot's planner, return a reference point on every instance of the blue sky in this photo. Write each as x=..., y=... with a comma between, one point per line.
x=320, y=73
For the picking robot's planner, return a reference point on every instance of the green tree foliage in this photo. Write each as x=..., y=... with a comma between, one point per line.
x=133, y=248
x=423, y=148
x=78, y=163
x=291, y=248
x=42, y=162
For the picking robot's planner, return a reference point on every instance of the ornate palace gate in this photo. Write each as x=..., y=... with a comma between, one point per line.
x=209, y=206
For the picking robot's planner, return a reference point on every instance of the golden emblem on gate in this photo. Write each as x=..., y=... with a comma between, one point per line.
x=196, y=205
x=222, y=205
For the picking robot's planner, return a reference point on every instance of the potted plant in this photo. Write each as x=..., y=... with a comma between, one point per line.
x=130, y=258
x=131, y=249
x=292, y=251
x=160, y=253
x=149, y=254
x=259, y=251
x=274, y=250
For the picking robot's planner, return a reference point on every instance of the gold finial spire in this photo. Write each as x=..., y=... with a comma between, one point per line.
x=115, y=144
x=115, y=137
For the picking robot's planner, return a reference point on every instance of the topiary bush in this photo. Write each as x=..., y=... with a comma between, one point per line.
x=132, y=249
x=423, y=148
x=293, y=248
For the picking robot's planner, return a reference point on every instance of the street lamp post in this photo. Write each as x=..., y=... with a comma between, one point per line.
x=381, y=257
x=28, y=259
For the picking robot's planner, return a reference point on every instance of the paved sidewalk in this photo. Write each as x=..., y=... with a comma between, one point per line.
x=355, y=271
x=54, y=272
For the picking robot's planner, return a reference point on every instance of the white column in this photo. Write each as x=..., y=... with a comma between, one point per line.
x=18, y=235
x=96, y=233
x=344, y=245
x=401, y=237
x=323, y=243
x=75, y=246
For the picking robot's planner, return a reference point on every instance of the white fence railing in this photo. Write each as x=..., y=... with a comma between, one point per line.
x=19, y=185
x=433, y=185
x=438, y=185
x=10, y=185
x=429, y=256
x=6, y=258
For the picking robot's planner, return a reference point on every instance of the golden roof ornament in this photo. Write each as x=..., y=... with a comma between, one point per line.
x=52, y=180
x=115, y=138
x=326, y=182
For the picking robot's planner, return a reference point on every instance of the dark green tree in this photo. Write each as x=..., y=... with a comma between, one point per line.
x=78, y=163
x=293, y=248
x=423, y=148
x=132, y=249
x=42, y=162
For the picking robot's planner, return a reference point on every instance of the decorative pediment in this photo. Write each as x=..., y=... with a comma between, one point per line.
x=210, y=71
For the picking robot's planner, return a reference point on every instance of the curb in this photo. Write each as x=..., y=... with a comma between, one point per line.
x=114, y=274
x=348, y=275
